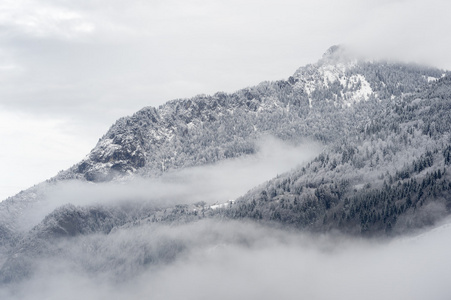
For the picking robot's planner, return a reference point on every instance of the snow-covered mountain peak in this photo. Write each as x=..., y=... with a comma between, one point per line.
x=337, y=54
x=155, y=140
x=335, y=77
x=333, y=50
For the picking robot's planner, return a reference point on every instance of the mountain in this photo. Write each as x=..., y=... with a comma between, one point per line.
x=206, y=129
x=385, y=132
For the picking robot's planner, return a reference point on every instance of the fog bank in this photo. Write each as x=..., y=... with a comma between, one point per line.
x=215, y=183
x=225, y=260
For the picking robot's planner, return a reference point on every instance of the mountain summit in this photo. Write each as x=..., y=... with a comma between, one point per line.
x=335, y=53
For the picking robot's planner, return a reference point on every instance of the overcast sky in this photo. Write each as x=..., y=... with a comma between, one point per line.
x=69, y=69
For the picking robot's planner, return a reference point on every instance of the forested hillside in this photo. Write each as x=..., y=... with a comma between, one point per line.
x=390, y=174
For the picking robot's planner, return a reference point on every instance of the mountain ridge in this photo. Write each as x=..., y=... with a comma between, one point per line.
x=329, y=101
x=130, y=144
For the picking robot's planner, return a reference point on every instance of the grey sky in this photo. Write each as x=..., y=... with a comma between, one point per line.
x=69, y=69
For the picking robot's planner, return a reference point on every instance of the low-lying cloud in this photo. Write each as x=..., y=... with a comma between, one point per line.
x=216, y=183
x=230, y=259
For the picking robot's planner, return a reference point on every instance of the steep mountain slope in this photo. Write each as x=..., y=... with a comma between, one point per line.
x=385, y=128
x=390, y=175
x=317, y=103
x=206, y=129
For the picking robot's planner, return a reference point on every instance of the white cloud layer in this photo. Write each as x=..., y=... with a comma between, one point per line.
x=216, y=183
x=238, y=260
